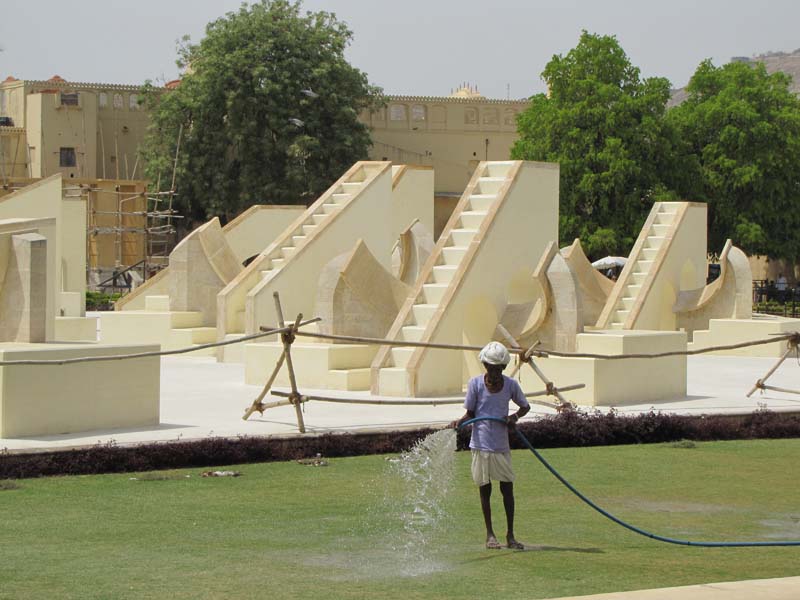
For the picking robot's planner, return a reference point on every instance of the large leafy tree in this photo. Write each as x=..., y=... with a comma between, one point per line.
x=266, y=111
x=740, y=133
x=605, y=125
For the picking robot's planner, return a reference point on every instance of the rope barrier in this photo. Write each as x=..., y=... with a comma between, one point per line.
x=85, y=359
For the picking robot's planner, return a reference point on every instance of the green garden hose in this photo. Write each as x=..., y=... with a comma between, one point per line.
x=617, y=520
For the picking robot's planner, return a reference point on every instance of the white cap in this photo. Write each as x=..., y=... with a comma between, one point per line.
x=494, y=353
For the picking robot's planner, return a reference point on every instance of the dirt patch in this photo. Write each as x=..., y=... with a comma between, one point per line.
x=783, y=527
x=668, y=506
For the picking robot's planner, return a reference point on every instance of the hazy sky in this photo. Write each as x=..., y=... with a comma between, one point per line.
x=406, y=46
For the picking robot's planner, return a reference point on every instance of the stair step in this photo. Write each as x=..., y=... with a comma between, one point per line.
x=318, y=218
x=434, y=292
x=298, y=239
x=481, y=201
x=649, y=253
x=654, y=241
x=349, y=379
x=330, y=207
x=423, y=312
x=489, y=185
x=452, y=255
x=497, y=168
x=660, y=229
x=638, y=278
x=443, y=273
x=190, y=336
x=462, y=237
x=664, y=218
x=394, y=381
x=309, y=229
x=287, y=251
x=616, y=325
x=472, y=219
x=412, y=333
x=643, y=265
x=341, y=198
x=351, y=187
x=401, y=356
x=185, y=318
x=277, y=263
x=627, y=302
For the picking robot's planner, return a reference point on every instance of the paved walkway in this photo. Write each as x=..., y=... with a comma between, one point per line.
x=202, y=398
x=757, y=589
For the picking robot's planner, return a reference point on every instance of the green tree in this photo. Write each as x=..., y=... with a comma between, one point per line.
x=266, y=112
x=605, y=126
x=740, y=151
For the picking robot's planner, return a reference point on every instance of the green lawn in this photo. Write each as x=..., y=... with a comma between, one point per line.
x=288, y=530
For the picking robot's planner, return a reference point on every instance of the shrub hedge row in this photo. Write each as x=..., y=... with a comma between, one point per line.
x=567, y=429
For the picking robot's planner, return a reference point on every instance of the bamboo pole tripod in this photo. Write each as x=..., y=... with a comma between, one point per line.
x=792, y=349
x=294, y=397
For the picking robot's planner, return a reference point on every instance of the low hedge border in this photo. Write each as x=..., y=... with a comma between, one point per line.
x=567, y=429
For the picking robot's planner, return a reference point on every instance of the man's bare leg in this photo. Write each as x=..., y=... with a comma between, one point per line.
x=507, y=489
x=486, y=507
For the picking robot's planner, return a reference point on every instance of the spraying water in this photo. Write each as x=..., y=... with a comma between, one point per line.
x=419, y=506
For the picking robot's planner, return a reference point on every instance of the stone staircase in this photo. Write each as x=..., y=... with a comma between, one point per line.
x=652, y=245
x=441, y=278
x=238, y=303
x=175, y=329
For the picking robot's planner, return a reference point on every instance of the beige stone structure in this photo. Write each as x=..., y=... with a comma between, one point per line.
x=177, y=308
x=40, y=400
x=374, y=201
x=81, y=130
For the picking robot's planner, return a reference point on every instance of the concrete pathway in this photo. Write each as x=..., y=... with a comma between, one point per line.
x=202, y=398
x=787, y=588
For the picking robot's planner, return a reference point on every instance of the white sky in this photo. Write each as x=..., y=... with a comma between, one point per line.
x=406, y=46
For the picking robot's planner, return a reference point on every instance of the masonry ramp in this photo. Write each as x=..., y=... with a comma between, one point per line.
x=183, y=314
x=355, y=295
x=356, y=206
x=498, y=230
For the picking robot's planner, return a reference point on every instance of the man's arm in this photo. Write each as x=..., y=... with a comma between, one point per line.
x=518, y=398
x=467, y=416
x=511, y=420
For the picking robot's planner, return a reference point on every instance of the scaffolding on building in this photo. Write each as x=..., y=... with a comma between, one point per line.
x=141, y=227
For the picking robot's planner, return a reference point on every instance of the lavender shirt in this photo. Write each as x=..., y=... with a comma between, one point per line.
x=491, y=436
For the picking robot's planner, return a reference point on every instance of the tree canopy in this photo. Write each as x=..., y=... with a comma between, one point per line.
x=266, y=112
x=740, y=150
x=605, y=125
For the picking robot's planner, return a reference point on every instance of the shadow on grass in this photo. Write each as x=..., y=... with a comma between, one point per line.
x=532, y=548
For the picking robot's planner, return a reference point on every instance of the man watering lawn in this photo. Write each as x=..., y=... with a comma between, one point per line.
x=488, y=395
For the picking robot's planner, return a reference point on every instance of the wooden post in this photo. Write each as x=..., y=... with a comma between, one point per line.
x=760, y=383
x=258, y=405
x=288, y=339
x=550, y=388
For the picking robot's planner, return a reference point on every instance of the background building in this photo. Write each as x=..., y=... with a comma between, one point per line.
x=82, y=130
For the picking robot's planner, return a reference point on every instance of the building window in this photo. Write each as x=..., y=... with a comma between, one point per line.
x=470, y=116
x=510, y=117
x=133, y=102
x=490, y=116
x=118, y=101
x=397, y=112
x=66, y=157
x=69, y=99
x=102, y=100
x=418, y=112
